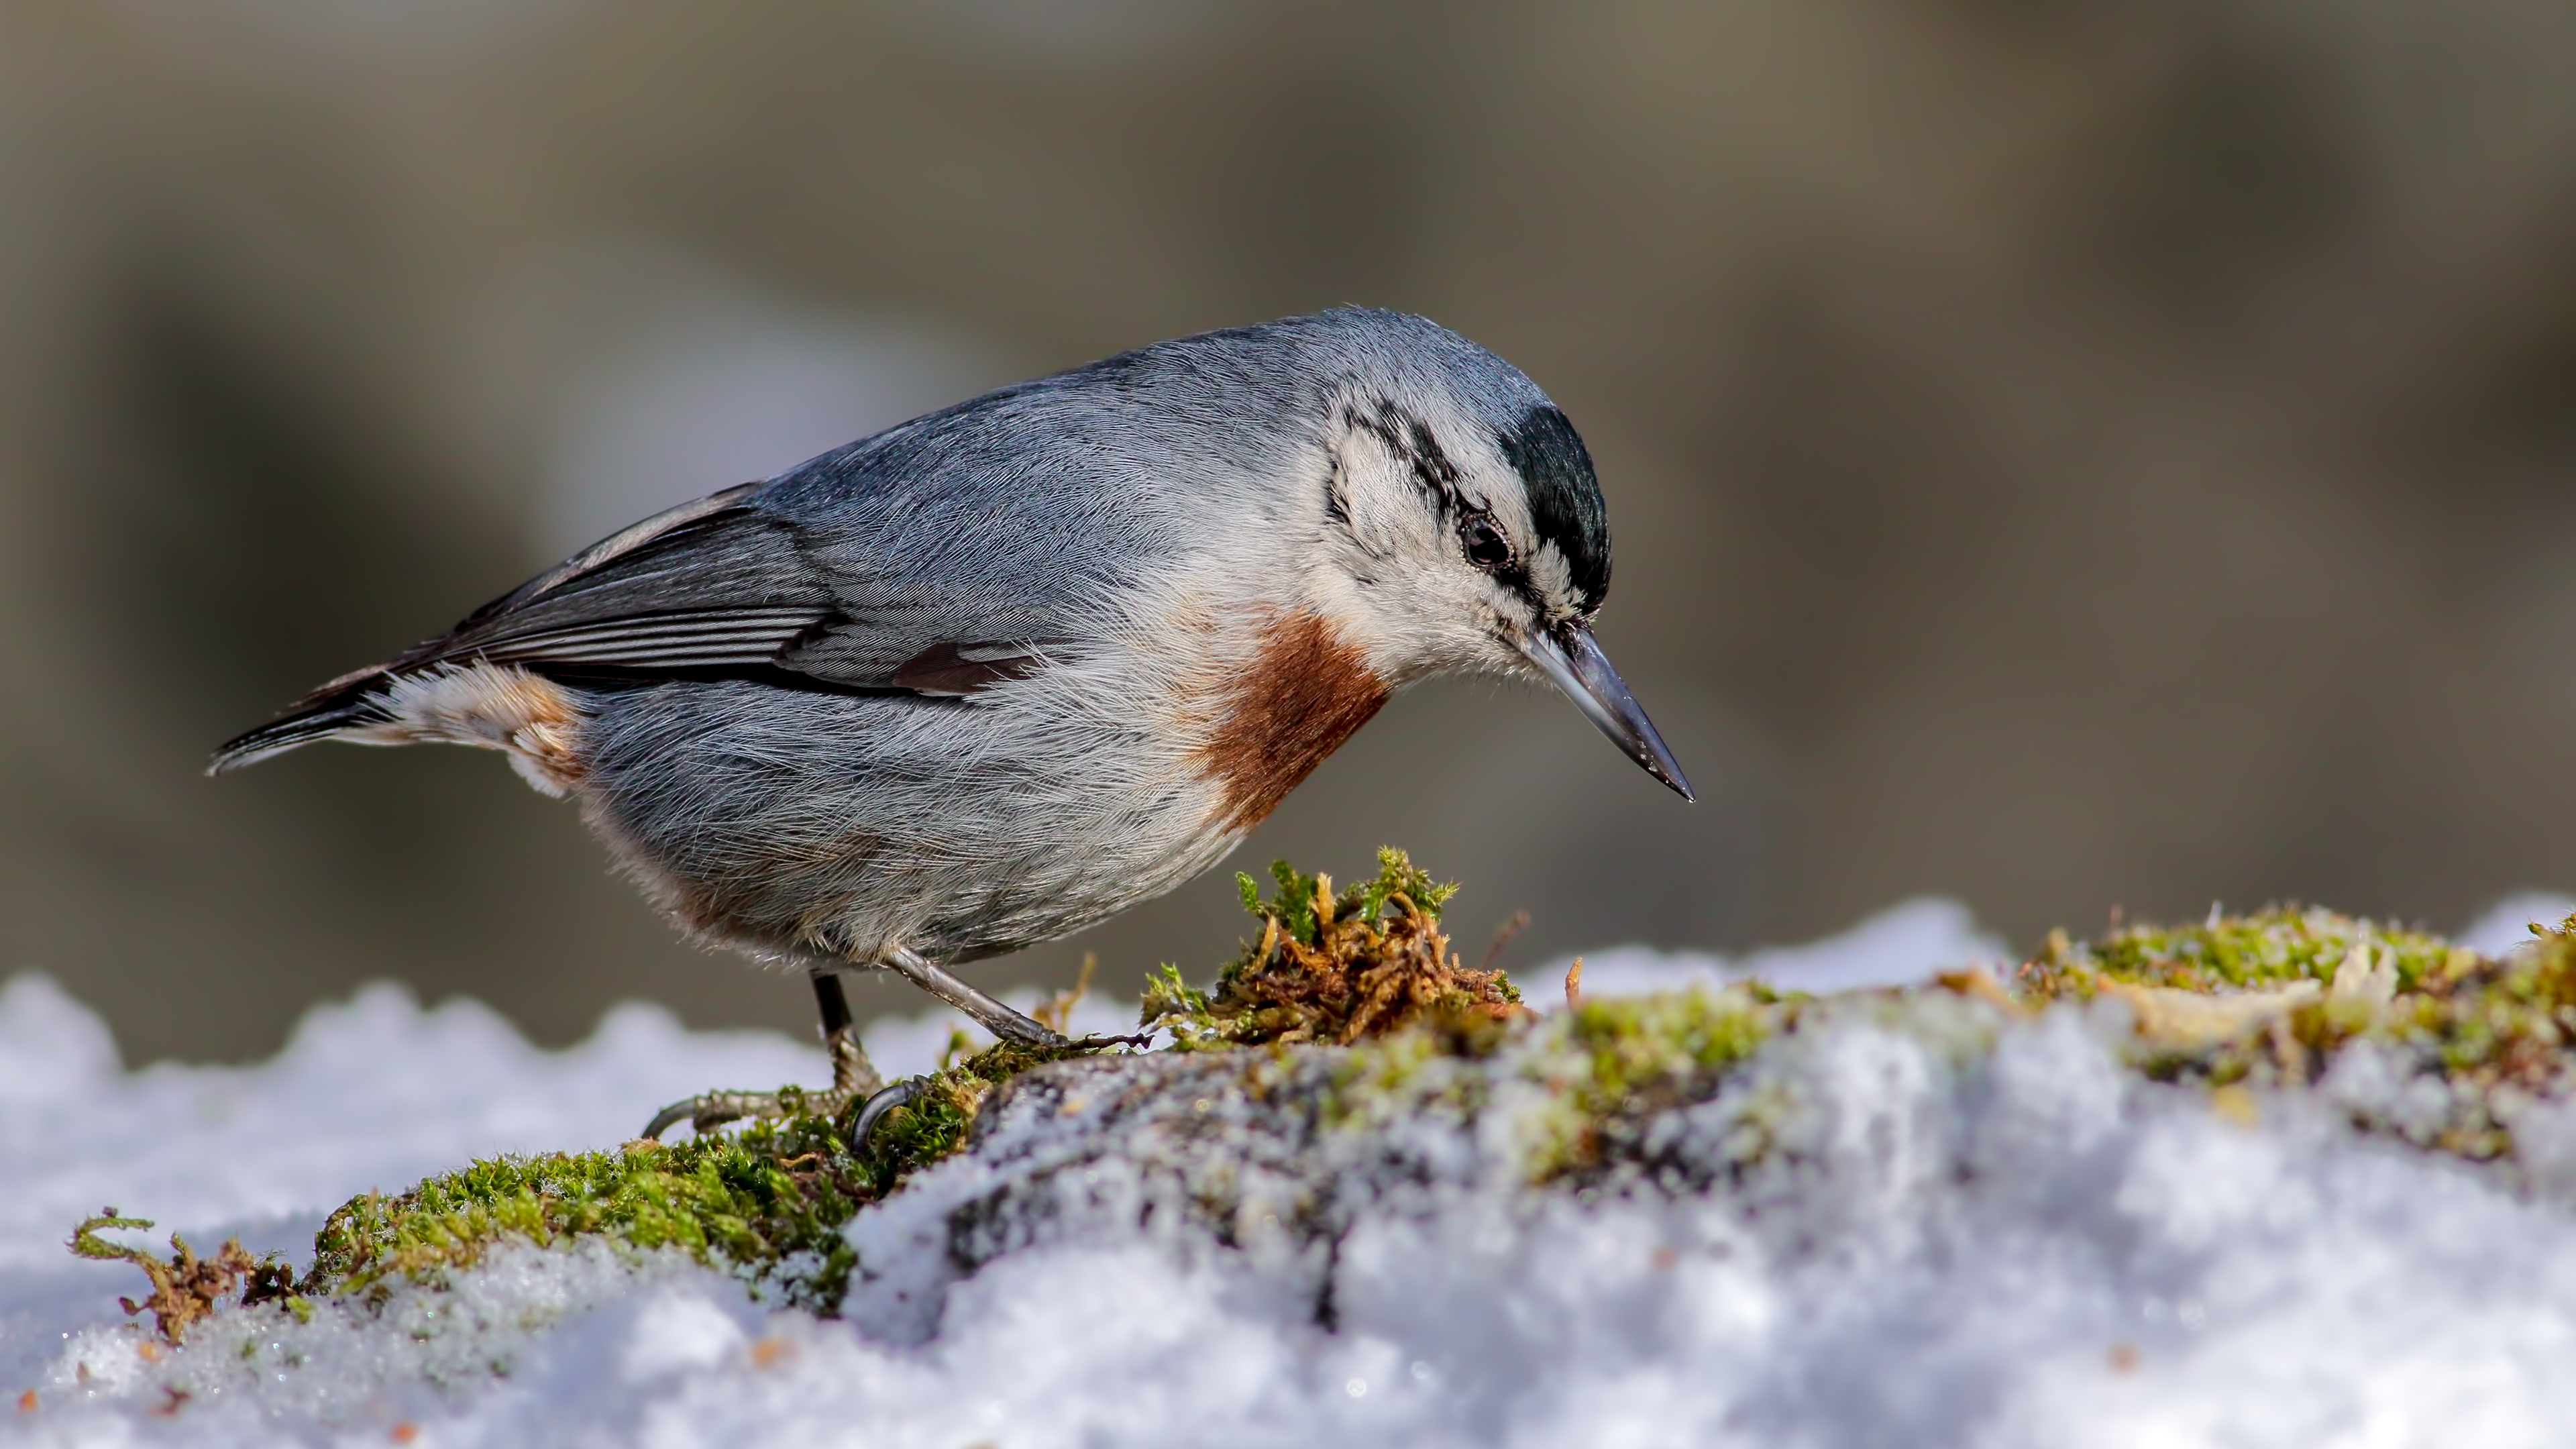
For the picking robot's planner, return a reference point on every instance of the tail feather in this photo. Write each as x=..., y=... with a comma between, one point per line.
x=352, y=702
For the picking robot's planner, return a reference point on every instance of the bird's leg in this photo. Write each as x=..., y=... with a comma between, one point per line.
x=988, y=1013
x=854, y=1077
x=1003, y=1022
x=993, y=1016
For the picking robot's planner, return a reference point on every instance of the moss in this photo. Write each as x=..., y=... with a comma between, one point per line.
x=2494, y=1032
x=1334, y=968
x=935, y=1125
x=1636, y=1057
x=2269, y=1000
x=1639, y=1049
x=1381, y=1079
x=767, y=1202
x=2274, y=947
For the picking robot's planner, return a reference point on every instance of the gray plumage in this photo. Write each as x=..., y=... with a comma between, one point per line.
x=995, y=674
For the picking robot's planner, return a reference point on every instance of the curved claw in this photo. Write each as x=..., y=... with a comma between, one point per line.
x=708, y=1111
x=1097, y=1042
x=900, y=1094
x=668, y=1118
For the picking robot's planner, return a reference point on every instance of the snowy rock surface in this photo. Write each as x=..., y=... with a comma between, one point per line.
x=1920, y=1226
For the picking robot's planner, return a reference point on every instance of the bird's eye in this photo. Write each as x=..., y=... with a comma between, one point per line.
x=1486, y=547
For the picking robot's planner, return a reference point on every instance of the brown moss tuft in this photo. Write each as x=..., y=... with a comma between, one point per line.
x=1335, y=969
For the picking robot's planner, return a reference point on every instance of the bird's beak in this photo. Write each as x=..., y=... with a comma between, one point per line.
x=1574, y=662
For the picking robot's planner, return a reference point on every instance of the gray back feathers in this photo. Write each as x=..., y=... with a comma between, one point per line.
x=1003, y=521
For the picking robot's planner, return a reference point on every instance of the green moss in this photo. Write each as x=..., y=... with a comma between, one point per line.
x=1398, y=1075
x=1623, y=1060
x=2495, y=1032
x=1642, y=1047
x=1299, y=908
x=770, y=1200
x=767, y=1202
x=2273, y=947
x=935, y=1125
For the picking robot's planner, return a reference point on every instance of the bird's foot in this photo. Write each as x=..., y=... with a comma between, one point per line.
x=709, y=1110
x=905, y=1092
x=900, y=1094
x=854, y=1079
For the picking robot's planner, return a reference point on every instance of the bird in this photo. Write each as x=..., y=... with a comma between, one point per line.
x=998, y=673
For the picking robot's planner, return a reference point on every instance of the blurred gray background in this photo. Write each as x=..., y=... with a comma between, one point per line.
x=2061, y=454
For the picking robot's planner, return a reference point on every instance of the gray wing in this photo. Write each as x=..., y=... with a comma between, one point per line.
x=727, y=583
x=720, y=585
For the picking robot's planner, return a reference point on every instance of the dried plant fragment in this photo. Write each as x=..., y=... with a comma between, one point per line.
x=187, y=1287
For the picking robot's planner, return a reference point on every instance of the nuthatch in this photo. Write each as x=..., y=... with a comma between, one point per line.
x=1001, y=672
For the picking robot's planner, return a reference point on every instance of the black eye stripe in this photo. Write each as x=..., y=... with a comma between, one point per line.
x=1410, y=440
x=1433, y=465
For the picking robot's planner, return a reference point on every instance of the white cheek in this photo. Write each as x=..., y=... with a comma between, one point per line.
x=1387, y=517
x=1421, y=623
x=1399, y=586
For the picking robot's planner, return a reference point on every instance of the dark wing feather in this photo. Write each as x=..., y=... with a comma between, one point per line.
x=709, y=586
x=961, y=669
x=681, y=639
x=710, y=583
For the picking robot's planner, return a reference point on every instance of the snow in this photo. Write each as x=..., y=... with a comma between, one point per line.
x=1900, y=946
x=2508, y=922
x=1949, y=1237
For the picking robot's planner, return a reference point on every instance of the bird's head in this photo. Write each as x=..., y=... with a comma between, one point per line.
x=1462, y=527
